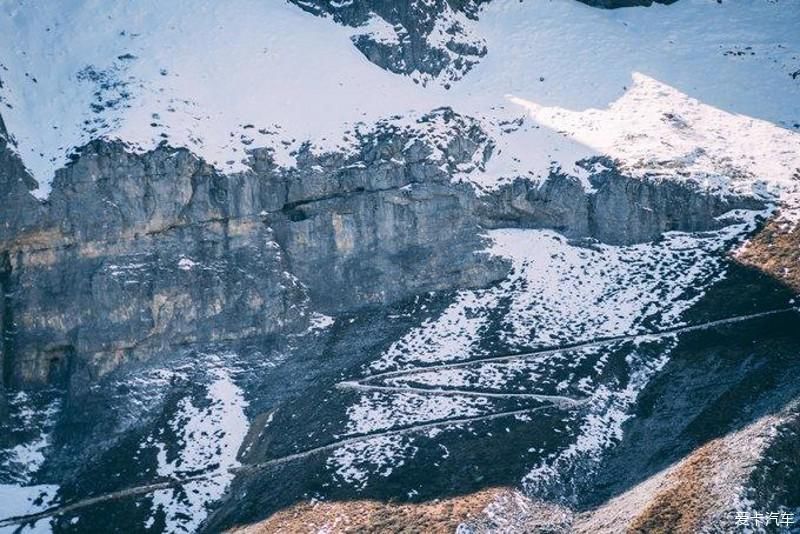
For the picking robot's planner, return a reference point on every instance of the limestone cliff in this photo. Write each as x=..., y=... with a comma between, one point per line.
x=133, y=255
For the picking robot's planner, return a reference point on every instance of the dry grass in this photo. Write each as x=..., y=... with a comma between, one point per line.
x=368, y=516
x=687, y=499
x=704, y=488
x=775, y=250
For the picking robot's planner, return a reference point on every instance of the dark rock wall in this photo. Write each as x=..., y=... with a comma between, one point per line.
x=19, y=208
x=619, y=210
x=414, y=21
x=613, y=4
x=133, y=255
x=6, y=325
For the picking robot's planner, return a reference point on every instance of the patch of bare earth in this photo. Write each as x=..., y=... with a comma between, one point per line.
x=368, y=516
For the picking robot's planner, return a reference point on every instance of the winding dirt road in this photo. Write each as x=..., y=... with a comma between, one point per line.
x=367, y=384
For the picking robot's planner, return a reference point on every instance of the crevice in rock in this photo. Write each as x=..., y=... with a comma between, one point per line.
x=6, y=322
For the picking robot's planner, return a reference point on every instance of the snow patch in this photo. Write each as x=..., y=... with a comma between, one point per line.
x=274, y=76
x=206, y=436
x=23, y=500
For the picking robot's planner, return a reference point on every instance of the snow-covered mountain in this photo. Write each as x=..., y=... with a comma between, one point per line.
x=277, y=263
x=205, y=77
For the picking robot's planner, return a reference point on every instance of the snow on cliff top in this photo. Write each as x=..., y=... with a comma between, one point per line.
x=711, y=89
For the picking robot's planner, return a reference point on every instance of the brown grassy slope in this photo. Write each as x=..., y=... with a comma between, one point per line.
x=775, y=250
x=685, y=504
x=368, y=516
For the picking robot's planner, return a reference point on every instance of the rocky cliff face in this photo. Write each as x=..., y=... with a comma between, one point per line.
x=618, y=210
x=134, y=255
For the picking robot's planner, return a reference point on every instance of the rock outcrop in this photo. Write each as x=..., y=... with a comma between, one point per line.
x=134, y=255
x=426, y=38
x=618, y=210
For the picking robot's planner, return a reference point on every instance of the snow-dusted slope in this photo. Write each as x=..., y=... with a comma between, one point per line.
x=220, y=78
x=697, y=91
x=557, y=294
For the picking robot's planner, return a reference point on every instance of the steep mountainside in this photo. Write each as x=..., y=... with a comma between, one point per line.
x=270, y=264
